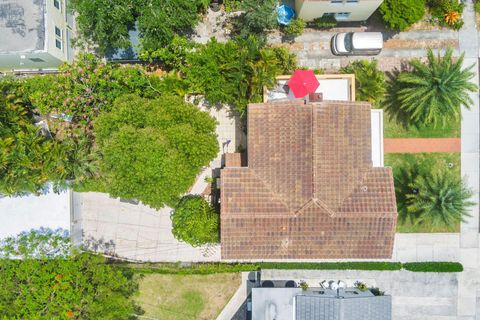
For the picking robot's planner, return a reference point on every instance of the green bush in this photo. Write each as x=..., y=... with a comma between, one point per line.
x=369, y=81
x=195, y=222
x=324, y=22
x=295, y=28
x=400, y=14
x=440, y=9
x=433, y=266
x=477, y=6
x=257, y=18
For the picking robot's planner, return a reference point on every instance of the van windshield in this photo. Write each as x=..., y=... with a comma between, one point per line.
x=348, y=41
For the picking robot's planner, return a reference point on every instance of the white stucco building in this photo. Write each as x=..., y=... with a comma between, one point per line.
x=35, y=34
x=342, y=10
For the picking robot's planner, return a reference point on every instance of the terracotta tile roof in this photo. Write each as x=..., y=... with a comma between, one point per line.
x=310, y=191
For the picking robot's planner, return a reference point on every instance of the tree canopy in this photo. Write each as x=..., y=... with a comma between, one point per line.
x=105, y=25
x=195, y=222
x=235, y=72
x=152, y=150
x=52, y=282
x=369, y=80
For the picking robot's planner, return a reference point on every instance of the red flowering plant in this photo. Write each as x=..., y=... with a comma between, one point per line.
x=84, y=88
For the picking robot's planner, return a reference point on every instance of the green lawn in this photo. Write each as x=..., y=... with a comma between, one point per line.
x=393, y=129
x=188, y=297
x=429, y=162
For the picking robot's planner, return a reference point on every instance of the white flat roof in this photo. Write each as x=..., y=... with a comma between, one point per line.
x=332, y=89
x=18, y=214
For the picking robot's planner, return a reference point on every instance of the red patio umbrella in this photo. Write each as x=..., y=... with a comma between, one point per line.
x=302, y=83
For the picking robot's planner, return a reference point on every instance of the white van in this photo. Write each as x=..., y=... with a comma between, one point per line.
x=357, y=43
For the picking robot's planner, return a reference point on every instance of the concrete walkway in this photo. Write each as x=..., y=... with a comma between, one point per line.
x=418, y=145
x=468, y=303
x=313, y=47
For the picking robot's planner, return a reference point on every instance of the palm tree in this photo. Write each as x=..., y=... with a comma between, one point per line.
x=442, y=200
x=369, y=81
x=404, y=181
x=433, y=93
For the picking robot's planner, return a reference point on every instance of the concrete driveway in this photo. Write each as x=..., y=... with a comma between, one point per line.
x=130, y=231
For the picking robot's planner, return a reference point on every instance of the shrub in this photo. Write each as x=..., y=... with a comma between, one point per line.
x=447, y=13
x=477, y=6
x=152, y=150
x=304, y=285
x=257, y=17
x=433, y=266
x=171, y=56
x=324, y=22
x=361, y=265
x=361, y=286
x=195, y=222
x=295, y=28
x=400, y=14
x=369, y=81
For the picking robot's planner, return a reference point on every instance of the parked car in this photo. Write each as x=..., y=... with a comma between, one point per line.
x=357, y=43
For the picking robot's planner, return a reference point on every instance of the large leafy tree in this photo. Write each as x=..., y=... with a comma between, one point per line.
x=80, y=287
x=152, y=150
x=104, y=24
x=432, y=93
x=369, y=80
x=194, y=221
x=441, y=199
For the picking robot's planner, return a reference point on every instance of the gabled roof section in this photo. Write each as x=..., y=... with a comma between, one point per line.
x=309, y=191
x=310, y=151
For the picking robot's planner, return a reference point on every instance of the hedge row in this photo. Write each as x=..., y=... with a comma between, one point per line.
x=433, y=266
x=210, y=268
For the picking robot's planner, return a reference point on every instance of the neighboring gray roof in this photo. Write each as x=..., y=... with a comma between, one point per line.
x=22, y=25
x=325, y=308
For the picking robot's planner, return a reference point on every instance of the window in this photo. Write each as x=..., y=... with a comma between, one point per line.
x=352, y=2
x=37, y=60
x=56, y=4
x=336, y=1
x=342, y=15
x=58, y=38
